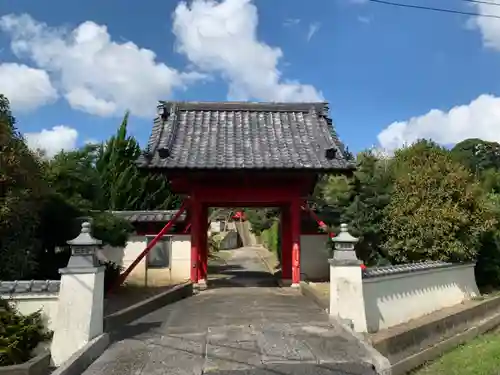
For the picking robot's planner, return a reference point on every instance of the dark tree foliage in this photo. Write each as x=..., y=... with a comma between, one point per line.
x=370, y=193
x=43, y=201
x=477, y=155
x=21, y=192
x=261, y=218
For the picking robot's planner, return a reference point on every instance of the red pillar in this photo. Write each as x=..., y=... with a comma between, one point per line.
x=286, y=244
x=203, y=245
x=295, y=229
x=195, y=208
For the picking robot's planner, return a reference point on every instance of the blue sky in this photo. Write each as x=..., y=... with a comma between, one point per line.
x=391, y=75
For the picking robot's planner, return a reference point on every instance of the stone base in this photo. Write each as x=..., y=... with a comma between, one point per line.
x=201, y=285
x=288, y=283
x=38, y=365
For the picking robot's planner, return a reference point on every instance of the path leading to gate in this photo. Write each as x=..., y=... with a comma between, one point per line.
x=242, y=325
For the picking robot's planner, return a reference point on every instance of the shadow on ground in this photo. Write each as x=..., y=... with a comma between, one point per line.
x=232, y=275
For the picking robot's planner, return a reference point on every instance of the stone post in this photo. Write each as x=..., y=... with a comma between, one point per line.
x=346, y=282
x=81, y=298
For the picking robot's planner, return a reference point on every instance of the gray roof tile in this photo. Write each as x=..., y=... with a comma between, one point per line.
x=148, y=216
x=404, y=268
x=230, y=135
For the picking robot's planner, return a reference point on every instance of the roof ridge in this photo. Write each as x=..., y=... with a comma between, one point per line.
x=131, y=212
x=320, y=107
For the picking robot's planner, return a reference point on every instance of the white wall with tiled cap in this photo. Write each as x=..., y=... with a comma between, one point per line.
x=31, y=296
x=180, y=261
x=396, y=295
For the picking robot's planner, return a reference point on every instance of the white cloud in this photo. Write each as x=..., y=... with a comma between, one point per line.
x=478, y=119
x=313, y=29
x=95, y=73
x=289, y=22
x=25, y=87
x=221, y=37
x=489, y=27
x=365, y=20
x=51, y=141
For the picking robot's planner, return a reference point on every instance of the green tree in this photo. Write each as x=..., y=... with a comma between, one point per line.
x=359, y=201
x=124, y=186
x=369, y=196
x=437, y=209
x=21, y=190
x=477, y=155
x=261, y=218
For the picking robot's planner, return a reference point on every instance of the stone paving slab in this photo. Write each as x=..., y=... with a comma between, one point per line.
x=235, y=330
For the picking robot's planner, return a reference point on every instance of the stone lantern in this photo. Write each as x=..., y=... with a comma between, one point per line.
x=83, y=249
x=346, y=282
x=81, y=299
x=344, y=246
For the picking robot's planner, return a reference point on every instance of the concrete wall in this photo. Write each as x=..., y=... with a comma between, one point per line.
x=244, y=229
x=314, y=257
x=177, y=271
x=31, y=296
x=215, y=226
x=395, y=295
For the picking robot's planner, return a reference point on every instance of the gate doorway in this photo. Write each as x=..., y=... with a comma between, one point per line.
x=235, y=254
x=237, y=154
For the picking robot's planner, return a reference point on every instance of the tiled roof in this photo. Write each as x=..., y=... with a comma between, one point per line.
x=147, y=216
x=404, y=268
x=241, y=135
x=29, y=286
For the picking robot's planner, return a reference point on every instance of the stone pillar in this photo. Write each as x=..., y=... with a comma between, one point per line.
x=346, y=282
x=81, y=299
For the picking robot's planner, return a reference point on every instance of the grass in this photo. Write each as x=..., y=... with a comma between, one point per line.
x=480, y=356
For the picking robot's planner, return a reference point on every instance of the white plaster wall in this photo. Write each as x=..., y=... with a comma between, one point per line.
x=180, y=261
x=314, y=257
x=124, y=256
x=181, y=257
x=396, y=299
x=28, y=303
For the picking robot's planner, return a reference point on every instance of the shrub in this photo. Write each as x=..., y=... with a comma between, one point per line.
x=271, y=238
x=112, y=272
x=214, y=242
x=437, y=209
x=19, y=334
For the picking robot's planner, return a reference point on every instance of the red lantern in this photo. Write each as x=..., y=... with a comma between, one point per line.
x=239, y=216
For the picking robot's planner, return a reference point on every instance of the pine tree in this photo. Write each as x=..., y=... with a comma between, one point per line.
x=369, y=195
x=19, y=334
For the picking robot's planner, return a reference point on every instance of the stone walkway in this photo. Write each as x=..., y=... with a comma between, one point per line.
x=242, y=324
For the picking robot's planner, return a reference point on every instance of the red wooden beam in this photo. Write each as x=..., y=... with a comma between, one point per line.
x=249, y=195
x=184, y=183
x=320, y=222
x=148, y=248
